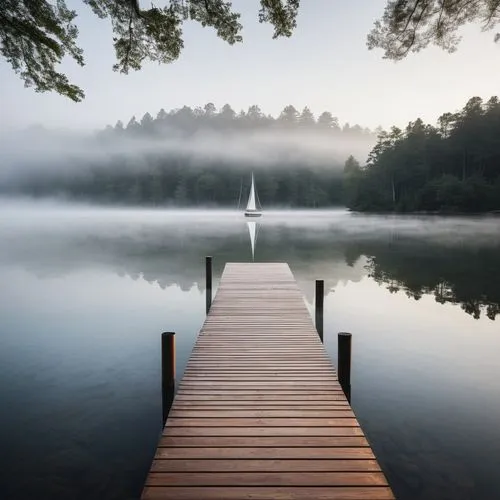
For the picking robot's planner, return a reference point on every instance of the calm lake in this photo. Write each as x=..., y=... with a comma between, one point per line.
x=86, y=292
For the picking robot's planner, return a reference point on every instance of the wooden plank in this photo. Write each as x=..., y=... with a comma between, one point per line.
x=268, y=422
x=244, y=377
x=267, y=441
x=262, y=392
x=251, y=413
x=296, y=465
x=277, y=379
x=260, y=413
x=256, y=374
x=254, y=384
x=267, y=478
x=267, y=405
x=263, y=431
x=253, y=396
x=261, y=363
x=261, y=453
x=251, y=371
x=267, y=493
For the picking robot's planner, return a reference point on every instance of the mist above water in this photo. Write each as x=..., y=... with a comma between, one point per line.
x=25, y=214
x=168, y=245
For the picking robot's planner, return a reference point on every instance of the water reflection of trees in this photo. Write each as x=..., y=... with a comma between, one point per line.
x=461, y=274
x=465, y=275
x=450, y=260
x=173, y=254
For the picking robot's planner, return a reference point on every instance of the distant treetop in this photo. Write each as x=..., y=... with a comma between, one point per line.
x=188, y=120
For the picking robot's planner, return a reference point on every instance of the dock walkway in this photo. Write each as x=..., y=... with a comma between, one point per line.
x=259, y=413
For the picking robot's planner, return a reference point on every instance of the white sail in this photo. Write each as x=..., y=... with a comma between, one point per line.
x=251, y=199
x=252, y=231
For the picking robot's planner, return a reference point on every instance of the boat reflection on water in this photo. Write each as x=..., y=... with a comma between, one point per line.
x=253, y=230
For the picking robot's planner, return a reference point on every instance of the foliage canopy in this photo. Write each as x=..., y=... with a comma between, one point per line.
x=35, y=35
x=411, y=25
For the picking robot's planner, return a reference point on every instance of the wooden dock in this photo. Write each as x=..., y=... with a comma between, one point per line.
x=260, y=413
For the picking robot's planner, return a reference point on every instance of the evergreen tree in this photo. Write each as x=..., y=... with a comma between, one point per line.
x=289, y=116
x=452, y=167
x=287, y=176
x=306, y=118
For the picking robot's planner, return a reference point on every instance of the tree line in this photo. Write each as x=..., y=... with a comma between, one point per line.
x=451, y=167
x=190, y=120
x=145, y=174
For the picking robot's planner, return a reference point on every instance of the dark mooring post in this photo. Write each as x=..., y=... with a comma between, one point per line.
x=208, y=288
x=167, y=372
x=320, y=296
x=344, y=363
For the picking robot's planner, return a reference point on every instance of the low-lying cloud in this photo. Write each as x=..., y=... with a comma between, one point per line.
x=37, y=151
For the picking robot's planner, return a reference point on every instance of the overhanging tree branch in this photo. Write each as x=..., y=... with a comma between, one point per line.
x=155, y=34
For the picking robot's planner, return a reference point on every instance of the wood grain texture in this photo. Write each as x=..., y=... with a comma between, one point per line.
x=266, y=465
x=289, y=452
x=293, y=432
x=262, y=422
x=267, y=478
x=267, y=493
x=260, y=413
x=264, y=442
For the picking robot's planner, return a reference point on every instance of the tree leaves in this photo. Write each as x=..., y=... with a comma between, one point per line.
x=218, y=15
x=35, y=35
x=412, y=25
x=283, y=16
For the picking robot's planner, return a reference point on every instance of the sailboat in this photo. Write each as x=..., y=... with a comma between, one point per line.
x=252, y=210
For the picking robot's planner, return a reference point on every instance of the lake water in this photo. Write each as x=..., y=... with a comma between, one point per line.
x=86, y=292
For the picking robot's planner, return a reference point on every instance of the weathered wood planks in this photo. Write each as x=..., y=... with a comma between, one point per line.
x=259, y=413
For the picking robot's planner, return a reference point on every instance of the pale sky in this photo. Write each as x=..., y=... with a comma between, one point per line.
x=325, y=65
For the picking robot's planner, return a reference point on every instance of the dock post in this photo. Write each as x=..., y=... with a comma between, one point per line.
x=320, y=296
x=167, y=372
x=344, y=363
x=208, y=288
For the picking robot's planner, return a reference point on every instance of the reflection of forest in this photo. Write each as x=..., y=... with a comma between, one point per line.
x=173, y=254
x=461, y=270
x=467, y=274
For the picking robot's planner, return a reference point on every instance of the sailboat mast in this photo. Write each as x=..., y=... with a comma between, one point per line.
x=253, y=188
x=241, y=190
